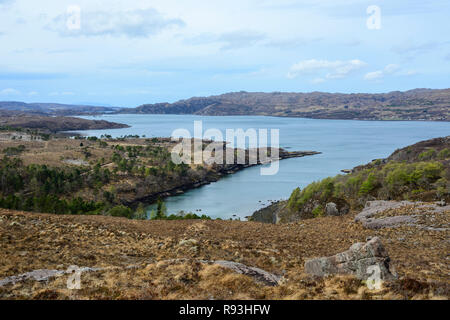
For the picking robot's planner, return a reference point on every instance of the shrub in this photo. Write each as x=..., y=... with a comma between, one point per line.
x=140, y=213
x=444, y=154
x=427, y=155
x=368, y=185
x=318, y=211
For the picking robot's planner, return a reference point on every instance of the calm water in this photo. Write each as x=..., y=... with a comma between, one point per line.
x=343, y=143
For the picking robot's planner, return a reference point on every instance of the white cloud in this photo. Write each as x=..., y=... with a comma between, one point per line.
x=9, y=92
x=391, y=68
x=317, y=80
x=380, y=74
x=230, y=40
x=32, y=93
x=64, y=93
x=374, y=75
x=139, y=23
x=334, y=69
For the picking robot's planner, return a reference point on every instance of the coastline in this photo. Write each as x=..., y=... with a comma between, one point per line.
x=213, y=177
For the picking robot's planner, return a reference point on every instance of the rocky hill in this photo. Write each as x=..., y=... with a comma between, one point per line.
x=52, y=124
x=417, y=172
x=418, y=104
x=54, y=109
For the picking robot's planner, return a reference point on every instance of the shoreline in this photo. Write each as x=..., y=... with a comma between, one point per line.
x=214, y=177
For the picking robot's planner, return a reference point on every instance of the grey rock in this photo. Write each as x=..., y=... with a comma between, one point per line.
x=41, y=275
x=337, y=207
x=355, y=261
x=37, y=275
x=259, y=275
x=366, y=216
x=373, y=207
x=389, y=222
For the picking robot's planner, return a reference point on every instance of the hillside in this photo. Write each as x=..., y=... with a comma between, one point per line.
x=52, y=124
x=420, y=172
x=214, y=259
x=128, y=259
x=418, y=104
x=99, y=175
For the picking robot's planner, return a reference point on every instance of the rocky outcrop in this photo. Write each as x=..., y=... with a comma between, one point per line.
x=337, y=207
x=278, y=212
x=371, y=216
x=268, y=214
x=361, y=260
x=41, y=275
x=256, y=273
x=331, y=209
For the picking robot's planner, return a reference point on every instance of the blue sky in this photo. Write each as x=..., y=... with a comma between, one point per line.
x=126, y=53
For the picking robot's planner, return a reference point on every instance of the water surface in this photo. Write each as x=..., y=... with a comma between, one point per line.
x=343, y=143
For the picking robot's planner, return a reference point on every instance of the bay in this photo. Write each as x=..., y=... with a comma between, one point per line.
x=343, y=143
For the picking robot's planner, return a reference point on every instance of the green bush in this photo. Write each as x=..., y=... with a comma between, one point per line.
x=368, y=185
x=444, y=154
x=427, y=155
x=318, y=211
x=140, y=213
x=120, y=211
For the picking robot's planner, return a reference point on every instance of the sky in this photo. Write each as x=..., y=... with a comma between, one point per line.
x=127, y=53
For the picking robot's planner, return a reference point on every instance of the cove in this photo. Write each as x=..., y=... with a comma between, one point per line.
x=343, y=143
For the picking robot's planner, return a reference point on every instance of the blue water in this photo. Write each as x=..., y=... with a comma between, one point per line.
x=343, y=143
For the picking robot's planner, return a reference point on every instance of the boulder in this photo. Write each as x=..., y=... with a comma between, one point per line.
x=337, y=207
x=331, y=209
x=360, y=260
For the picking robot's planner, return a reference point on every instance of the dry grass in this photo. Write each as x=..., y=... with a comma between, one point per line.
x=150, y=260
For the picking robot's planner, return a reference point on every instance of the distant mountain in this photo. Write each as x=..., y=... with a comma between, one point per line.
x=417, y=104
x=54, y=108
x=52, y=124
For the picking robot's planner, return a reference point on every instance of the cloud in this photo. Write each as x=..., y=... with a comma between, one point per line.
x=33, y=93
x=30, y=76
x=290, y=43
x=5, y=3
x=317, y=80
x=9, y=92
x=247, y=38
x=375, y=75
x=390, y=69
x=416, y=49
x=230, y=40
x=333, y=69
x=240, y=39
x=132, y=23
x=409, y=73
x=64, y=93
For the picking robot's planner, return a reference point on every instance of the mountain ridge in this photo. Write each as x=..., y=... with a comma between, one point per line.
x=415, y=104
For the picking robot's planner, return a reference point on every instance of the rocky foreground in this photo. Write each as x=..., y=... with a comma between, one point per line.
x=310, y=259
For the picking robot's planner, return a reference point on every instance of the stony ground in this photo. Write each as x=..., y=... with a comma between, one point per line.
x=169, y=259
